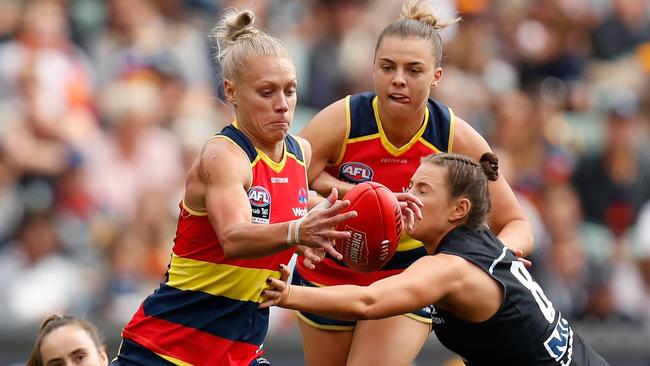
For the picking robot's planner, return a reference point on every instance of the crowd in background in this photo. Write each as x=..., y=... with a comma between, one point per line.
x=105, y=104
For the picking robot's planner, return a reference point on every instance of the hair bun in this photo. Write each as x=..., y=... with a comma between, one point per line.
x=490, y=164
x=416, y=10
x=235, y=24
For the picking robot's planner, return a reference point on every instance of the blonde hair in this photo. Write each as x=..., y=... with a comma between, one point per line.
x=237, y=40
x=417, y=20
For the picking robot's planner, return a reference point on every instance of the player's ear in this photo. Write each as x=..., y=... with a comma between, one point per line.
x=229, y=92
x=460, y=209
x=437, y=75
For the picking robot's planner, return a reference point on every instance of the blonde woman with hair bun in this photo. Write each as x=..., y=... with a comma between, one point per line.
x=244, y=213
x=381, y=136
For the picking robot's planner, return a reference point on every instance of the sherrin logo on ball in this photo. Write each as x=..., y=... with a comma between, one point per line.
x=376, y=230
x=355, y=172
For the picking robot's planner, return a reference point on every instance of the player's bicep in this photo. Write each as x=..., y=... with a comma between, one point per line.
x=225, y=173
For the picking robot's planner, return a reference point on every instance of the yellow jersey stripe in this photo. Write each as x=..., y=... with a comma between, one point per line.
x=364, y=138
x=430, y=146
x=407, y=243
x=193, y=211
x=173, y=360
x=238, y=283
x=276, y=167
x=452, y=124
x=348, y=125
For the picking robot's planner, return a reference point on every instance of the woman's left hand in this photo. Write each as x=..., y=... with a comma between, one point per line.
x=410, y=206
x=312, y=256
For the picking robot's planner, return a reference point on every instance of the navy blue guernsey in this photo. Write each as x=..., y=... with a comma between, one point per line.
x=526, y=330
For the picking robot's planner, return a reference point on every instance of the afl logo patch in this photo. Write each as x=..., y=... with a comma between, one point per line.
x=355, y=172
x=259, y=196
x=260, y=200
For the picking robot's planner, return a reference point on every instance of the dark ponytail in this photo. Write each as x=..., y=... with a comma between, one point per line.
x=490, y=164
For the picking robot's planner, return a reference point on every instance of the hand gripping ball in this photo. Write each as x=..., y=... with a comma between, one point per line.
x=375, y=231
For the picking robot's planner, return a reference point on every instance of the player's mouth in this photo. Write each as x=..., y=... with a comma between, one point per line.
x=281, y=123
x=399, y=98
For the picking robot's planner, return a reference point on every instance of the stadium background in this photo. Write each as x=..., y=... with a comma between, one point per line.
x=104, y=104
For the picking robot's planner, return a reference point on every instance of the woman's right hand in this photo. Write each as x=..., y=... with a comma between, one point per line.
x=318, y=228
x=278, y=290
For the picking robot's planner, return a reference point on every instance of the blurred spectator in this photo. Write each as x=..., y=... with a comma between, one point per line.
x=572, y=249
x=45, y=88
x=613, y=183
x=328, y=79
x=632, y=287
x=134, y=271
x=9, y=18
x=622, y=30
x=137, y=155
x=11, y=200
x=140, y=36
x=37, y=277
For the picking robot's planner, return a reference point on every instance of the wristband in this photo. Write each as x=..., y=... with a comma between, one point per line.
x=290, y=234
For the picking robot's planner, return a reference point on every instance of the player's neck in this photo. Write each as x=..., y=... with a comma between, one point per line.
x=400, y=129
x=273, y=149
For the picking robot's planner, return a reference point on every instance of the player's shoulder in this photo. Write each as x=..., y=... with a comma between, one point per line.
x=220, y=154
x=332, y=112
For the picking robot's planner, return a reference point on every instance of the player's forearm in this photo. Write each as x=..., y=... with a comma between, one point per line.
x=253, y=241
x=517, y=234
x=324, y=183
x=345, y=302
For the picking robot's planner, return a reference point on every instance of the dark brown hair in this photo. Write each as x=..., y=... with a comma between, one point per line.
x=56, y=321
x=417, y=21
x=467, y=178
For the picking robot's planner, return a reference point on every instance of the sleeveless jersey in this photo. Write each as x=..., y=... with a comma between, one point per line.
x=526, y=330
x=206, y=312
x=368, y=155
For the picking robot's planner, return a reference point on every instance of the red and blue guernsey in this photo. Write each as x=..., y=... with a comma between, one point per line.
x=367, y=155
x=206, y=312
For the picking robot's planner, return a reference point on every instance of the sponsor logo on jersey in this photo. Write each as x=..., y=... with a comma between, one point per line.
x=260, y=200
x=560, y=341
x=299, y=211
x=303, y=198
x=393, y=161
x=279, y=180
x=355, y=172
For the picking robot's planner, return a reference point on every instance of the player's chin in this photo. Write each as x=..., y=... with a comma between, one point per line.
x=278, y=130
